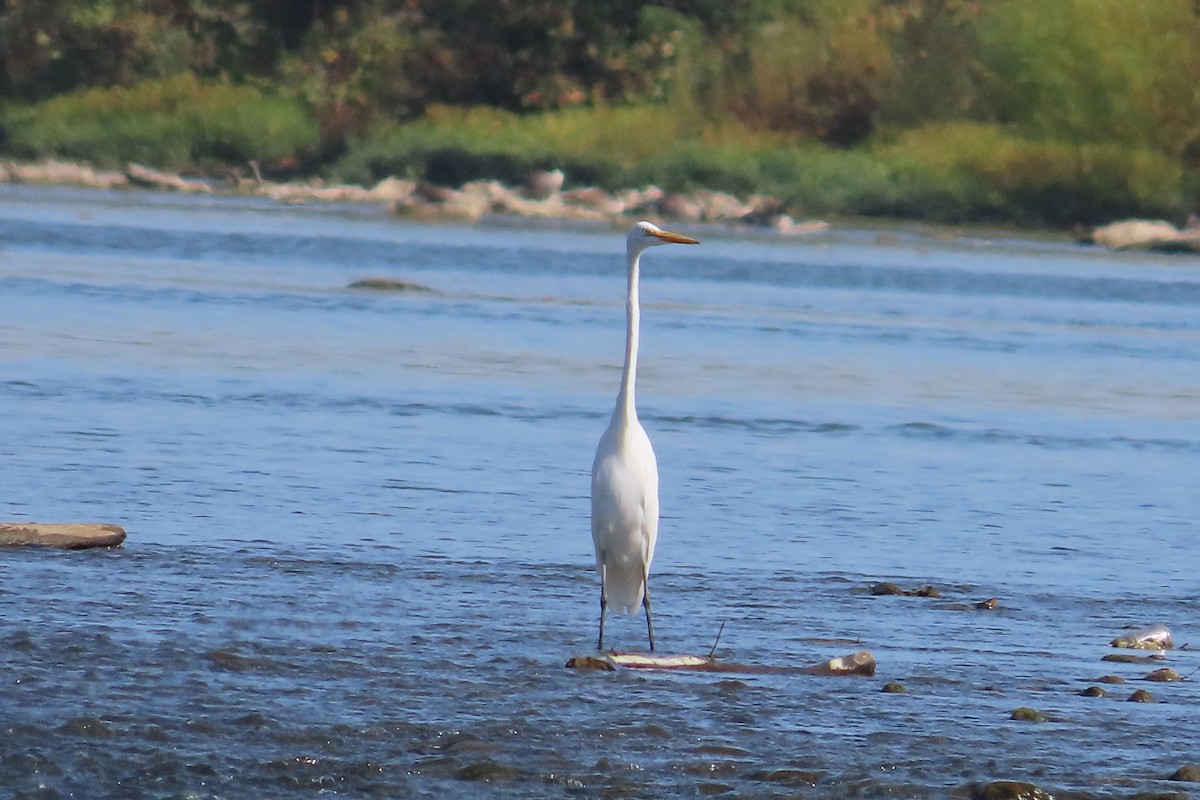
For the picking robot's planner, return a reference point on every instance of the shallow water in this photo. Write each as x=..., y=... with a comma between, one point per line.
x=358, y=550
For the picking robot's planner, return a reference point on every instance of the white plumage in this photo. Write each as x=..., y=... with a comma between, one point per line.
x=625, y=471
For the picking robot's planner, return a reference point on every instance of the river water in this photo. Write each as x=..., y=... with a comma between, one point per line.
x=358, y=552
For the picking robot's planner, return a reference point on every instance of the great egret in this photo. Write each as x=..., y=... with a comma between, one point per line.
x=625, y=472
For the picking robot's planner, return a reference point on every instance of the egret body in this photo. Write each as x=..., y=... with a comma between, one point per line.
x=625, y=471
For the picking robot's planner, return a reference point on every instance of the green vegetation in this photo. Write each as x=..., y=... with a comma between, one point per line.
x=1021, y=111
x=177, y=123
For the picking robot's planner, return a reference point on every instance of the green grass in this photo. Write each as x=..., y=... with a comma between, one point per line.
x=173, y=124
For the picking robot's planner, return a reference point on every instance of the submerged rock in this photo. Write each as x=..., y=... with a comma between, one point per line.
x=1130, y=658
x=795, y=778
x=1141, y=696
x=1163, y=675
x=1093, y=691
x=1027, y=714
x=886, y=588
x=487, y=771
x=892, y=687
x=1009, y=790
x=1188, y=772
x=388, y=285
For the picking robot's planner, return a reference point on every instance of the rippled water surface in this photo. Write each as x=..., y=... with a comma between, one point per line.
x=358, y=551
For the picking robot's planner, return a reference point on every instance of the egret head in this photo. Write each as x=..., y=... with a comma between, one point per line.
x=647, y=234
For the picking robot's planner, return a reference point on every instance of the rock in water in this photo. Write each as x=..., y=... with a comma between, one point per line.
x=1010, y=790
x=68, y=536
x=1152, y=637
x=1134, y=233
x=1188, y=772
x=387, y=285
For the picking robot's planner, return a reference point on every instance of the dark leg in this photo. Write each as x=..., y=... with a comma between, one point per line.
x=649, y=621
x=603, y=607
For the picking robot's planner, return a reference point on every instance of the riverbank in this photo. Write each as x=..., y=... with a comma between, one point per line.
x=541, y=195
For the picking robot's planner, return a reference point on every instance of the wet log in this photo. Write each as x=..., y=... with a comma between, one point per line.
x=68, y=535
x=860, y=663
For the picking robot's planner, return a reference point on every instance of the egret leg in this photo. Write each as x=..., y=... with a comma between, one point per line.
x=603, y=608
x=649, y=621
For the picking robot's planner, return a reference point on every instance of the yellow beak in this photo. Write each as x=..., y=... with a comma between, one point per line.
x=673, y=238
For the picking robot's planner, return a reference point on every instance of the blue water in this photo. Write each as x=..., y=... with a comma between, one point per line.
x=358, y=551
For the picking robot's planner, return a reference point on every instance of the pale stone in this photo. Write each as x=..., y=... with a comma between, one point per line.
x=139, y=175
x=68, y=535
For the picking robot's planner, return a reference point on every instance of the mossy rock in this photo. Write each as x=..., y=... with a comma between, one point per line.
x=387, y=285
x=1188, y=772
x=1027, y=714
x=1010, y=790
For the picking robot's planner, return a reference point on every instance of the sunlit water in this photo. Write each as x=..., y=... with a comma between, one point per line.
x=358, y=550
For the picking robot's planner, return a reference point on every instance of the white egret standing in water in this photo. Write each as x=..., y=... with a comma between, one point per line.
x=625, y=472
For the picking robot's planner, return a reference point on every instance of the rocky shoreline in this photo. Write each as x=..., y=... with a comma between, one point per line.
x=541, y=196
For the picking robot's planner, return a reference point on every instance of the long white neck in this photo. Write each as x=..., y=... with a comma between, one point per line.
x=626, y=403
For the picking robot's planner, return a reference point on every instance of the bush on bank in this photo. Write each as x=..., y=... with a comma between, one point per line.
x=958, y=172
x=177, y=123
x=949, y=172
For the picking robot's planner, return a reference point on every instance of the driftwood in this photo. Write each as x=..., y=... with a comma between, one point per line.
x=860, y=663
x=68, y=536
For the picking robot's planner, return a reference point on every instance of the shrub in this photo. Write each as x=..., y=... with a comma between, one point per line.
x=954, y=172
x=982, y=173
x=176, y=123
x=604, y=146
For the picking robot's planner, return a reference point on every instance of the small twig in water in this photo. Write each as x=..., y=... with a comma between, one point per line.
x=718, y=640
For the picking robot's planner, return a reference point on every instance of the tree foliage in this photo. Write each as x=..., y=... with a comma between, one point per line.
x=836, y=70
x=1070, y=78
